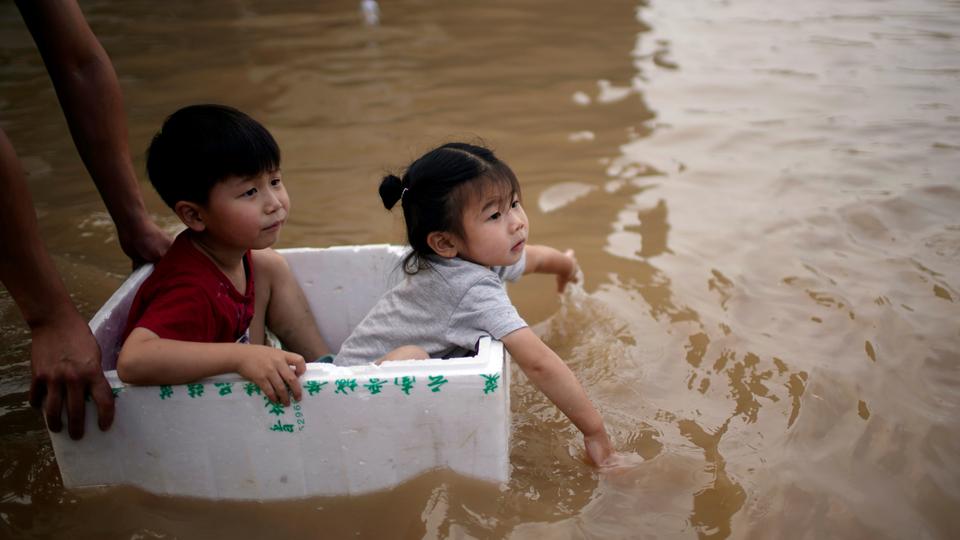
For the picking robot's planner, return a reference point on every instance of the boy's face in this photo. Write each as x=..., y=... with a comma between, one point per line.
x=246, y=213
x=495, y=228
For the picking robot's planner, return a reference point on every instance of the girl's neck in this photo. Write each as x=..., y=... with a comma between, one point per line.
x=471, y=261
x=228, y=261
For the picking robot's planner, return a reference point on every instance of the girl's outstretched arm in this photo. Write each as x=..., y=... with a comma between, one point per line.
x=552, y=376
x=546, y=260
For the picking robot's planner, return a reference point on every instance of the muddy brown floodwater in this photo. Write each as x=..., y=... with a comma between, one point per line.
x=764, y=197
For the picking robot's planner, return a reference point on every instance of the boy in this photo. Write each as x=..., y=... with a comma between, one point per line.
x=204, y=309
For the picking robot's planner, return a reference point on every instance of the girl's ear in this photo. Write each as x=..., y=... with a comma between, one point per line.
x=190, y=214
x=443, y=244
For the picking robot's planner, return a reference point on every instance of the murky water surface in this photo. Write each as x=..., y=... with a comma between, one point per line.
x=764, y=197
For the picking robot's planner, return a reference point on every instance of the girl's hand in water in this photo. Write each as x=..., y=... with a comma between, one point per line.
x=572, y=275
x=600, y=449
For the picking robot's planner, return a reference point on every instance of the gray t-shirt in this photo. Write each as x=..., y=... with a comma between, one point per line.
x=444, y=309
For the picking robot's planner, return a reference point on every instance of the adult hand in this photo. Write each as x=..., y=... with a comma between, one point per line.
x=145, y=243
x=66, y=368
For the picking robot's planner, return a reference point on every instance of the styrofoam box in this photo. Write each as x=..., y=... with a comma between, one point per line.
x=356, y=430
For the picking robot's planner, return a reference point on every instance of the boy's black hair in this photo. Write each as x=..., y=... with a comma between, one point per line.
x=433, y=192
x=200, y=145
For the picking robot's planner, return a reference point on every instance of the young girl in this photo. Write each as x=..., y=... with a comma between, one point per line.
x=468, y=233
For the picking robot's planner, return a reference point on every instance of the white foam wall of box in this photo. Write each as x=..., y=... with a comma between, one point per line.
x=356, y=430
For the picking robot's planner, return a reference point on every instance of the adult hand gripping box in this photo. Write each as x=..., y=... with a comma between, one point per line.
x=356, y=430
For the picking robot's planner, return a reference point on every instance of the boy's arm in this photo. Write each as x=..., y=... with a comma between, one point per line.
x=546, y=260
x=147, y=358
x=288, y=313
x=552, y=376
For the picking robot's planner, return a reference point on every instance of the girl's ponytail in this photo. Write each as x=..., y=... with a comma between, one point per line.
x=391, y=188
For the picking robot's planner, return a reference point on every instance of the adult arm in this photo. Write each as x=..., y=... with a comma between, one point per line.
x=552, y=376
x=90, y=96
x=547, y=260
x=65, y=357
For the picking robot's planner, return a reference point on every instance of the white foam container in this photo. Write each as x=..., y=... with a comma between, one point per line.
x=356, y=430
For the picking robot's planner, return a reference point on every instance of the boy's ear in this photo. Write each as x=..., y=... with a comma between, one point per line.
x=443, y=244
x=190, y=214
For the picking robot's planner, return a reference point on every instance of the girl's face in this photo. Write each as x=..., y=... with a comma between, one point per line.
x=495, y=229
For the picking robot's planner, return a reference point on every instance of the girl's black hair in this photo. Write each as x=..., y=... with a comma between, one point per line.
x=432, y=193
x=200, y=145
